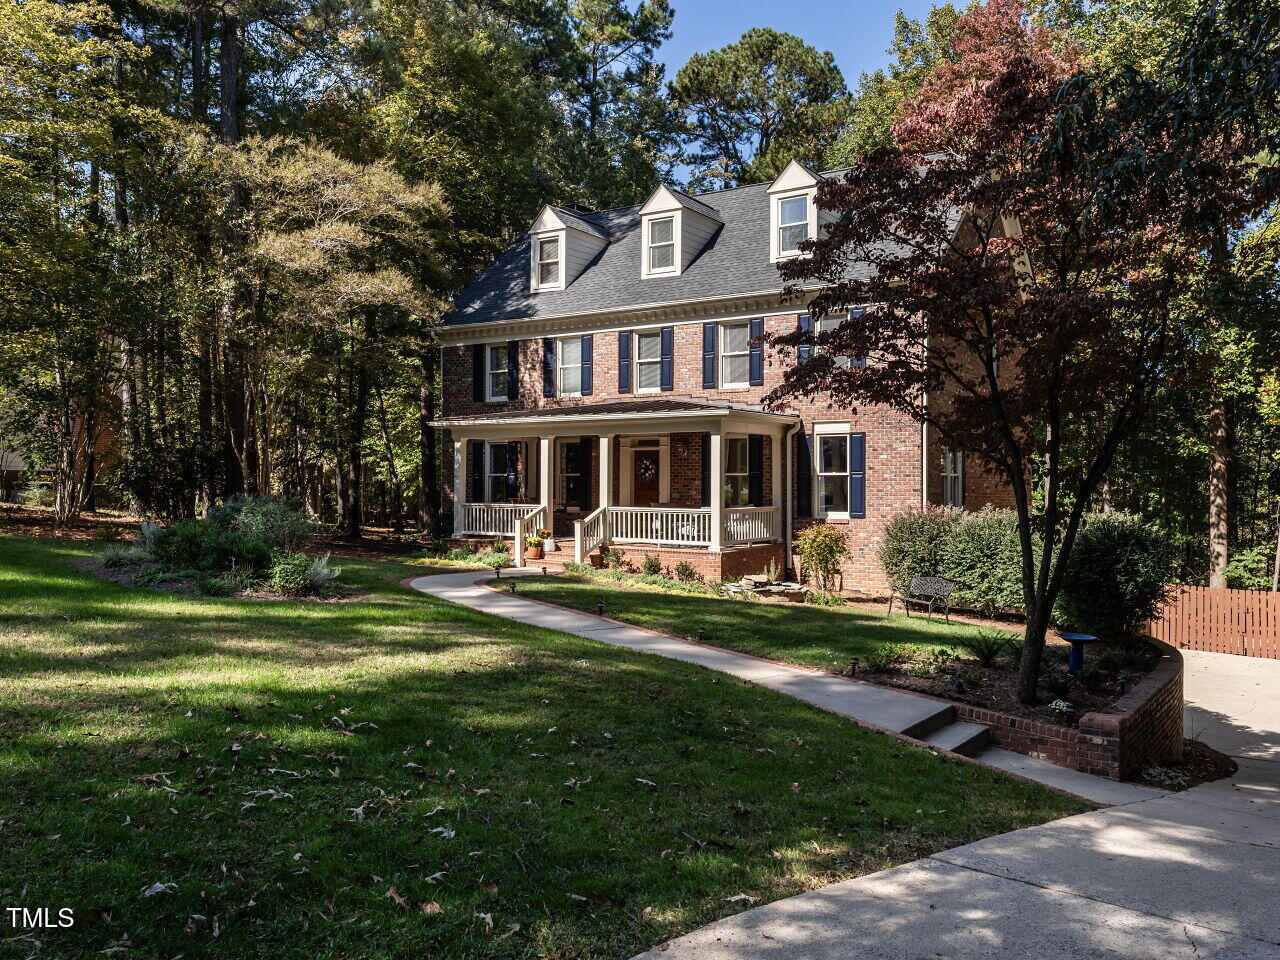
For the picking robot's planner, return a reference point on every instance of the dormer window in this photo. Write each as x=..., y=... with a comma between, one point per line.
x=662, y=245
x=549, y=262
x=793, y=224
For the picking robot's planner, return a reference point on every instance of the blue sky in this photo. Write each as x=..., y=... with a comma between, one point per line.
x=857, y=31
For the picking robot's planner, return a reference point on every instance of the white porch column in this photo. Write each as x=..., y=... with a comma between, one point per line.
x=716, y=490
x=606, y=470
x=459, y=482
x=546, y=450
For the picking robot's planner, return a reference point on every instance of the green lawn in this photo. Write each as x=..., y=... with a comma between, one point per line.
x=314, y=780
x=811, y=636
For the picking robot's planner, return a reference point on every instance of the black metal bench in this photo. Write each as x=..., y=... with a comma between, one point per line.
x=931, y=592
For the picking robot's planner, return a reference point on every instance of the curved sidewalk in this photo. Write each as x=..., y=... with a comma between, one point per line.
x=1194, y=875
x=922, y=718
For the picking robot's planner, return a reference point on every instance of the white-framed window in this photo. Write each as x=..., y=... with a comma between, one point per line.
x=573, y=474
x=832, y=322
x=793, y=224
x=548, y=266
x=952, y=478
x=648, y=361
x=735, y=354
x=661, y=242
x=832, y=463
x=737, y=476
x=495, y=471
x=569, y=367
x=496, y=371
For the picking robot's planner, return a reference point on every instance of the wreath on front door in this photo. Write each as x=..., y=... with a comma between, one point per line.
x=647, y=470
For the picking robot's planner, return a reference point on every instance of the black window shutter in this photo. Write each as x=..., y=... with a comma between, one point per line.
x=755, y=469
x=706, y=469
x=584, y=487
x=477, y=372
x=513, y=469
x=667, y=367
x=587, y=340
x=709, y=334
x=804, y=323
x=548, y=367
x=755, y=356
x=476, y=456
x=513, y=369
x=804, y=475
x=624, y=361
x=858, y=475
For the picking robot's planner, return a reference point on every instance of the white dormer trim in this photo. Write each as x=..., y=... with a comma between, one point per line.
x=575, y=248
x=796, y=180
x=692, y=228
x=677, y=237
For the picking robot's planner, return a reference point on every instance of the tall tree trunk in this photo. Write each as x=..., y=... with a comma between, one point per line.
x=237, y=478
x=199, y=72
x=1219, y=490
x=429, y=447
x=1275, y=564
x=351, y=455
x=397, y=495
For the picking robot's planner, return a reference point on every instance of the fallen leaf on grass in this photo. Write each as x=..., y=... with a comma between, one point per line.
x=155, y=888
x=391, y=894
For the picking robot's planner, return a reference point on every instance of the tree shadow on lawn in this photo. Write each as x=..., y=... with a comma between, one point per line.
x=599, y=799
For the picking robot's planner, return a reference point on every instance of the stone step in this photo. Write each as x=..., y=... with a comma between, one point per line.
x=960, y=737
x=940, y=716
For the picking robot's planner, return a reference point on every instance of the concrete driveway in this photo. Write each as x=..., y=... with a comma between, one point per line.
x=1190, y=875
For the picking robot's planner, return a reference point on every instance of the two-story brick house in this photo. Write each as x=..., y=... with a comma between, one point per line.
x=604, y=379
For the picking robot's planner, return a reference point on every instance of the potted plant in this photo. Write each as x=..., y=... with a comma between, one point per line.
x=548, y=543
x=533, y=547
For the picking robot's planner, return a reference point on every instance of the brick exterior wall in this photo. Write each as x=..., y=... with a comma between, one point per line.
x=893, y=478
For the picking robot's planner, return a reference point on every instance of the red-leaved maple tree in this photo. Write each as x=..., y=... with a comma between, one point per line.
x=1017, y=303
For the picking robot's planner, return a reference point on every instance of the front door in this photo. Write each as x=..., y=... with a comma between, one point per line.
x=645, y=482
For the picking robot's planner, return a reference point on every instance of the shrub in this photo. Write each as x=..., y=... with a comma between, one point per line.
x=1251, y=569
x=148, y=536
x=824, y=598
x=1117, y=576
x=890, y=656
x=273, y=521
x=614, y=559
x=296, y=574
x=821, y=548
x=982, y=556
x=210, y=546
x=117, y=555
x=686, y=573
x=651, y=566
x=578, y=569
x=913, y=544
x=985, y=646
x=37, y=494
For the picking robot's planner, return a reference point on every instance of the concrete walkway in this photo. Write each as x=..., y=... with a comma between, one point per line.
x=919, y=717
x=1155, y=877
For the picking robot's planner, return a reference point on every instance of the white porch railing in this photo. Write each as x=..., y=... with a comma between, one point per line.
x=751, y=525
x=589, y=533
x=673, y=525
x=527, y=526
x=494, y=519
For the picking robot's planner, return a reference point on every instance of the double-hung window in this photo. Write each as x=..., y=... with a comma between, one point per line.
x=569, y=367
x=548, y=261
x=832, y=322
x=662, y=245
x=735, y=350
x=833, y=474
x=793, y=224
x=952, y=478
x=649, y=361
x=496, y=469
x=496, y=371
x=737, y=477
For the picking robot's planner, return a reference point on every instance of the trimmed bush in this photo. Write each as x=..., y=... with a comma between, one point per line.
x=821, y=549
x=914, y=542
x=1117, y=576
x=981, y=555
x=277, y=523
x=209, y=546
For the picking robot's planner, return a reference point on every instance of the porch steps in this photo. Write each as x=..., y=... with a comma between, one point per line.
x=969, y=739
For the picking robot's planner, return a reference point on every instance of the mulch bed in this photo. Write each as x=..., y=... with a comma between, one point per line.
x=20, y=521
x=965, y=680
x=1200, y=764
x=184, y=586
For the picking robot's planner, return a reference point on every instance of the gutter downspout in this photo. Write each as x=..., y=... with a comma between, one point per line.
x=787, y=501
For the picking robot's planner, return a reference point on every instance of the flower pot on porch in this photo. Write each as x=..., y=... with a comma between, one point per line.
x=533, y=553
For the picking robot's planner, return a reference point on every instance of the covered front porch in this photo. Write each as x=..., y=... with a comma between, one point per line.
x=635, y=474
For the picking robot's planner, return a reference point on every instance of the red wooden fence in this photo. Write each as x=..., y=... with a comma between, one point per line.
x=1217, y=620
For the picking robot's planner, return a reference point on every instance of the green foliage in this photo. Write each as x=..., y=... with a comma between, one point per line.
x=685, y=572
x=890, y=656
x=201, y=544
x=651, y=566
x=914, y=543
x=821, y=549
x=614, y=559
x=1117, y=576
x=753, y=106
x=116, y=556
x=824, y=598
x=983, y=557
x=987, y=646
x=296, y=575
x=1252, y=569
x=37, y=494
x=278, y=523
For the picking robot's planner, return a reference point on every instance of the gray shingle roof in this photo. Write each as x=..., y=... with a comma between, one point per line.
x=578, y=221
x=693, y=203
x=735, y=261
